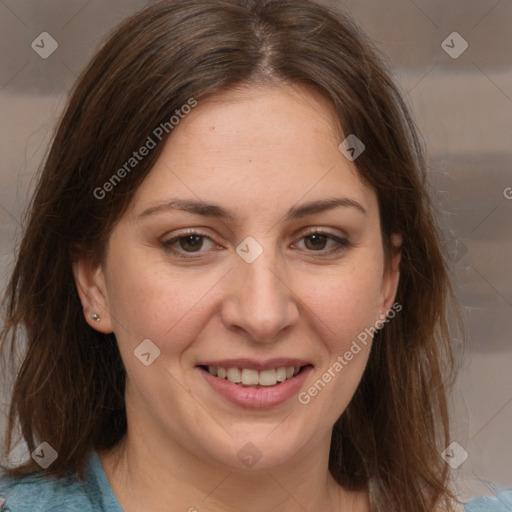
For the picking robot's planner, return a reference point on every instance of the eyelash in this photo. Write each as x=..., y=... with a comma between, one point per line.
x=343, y=243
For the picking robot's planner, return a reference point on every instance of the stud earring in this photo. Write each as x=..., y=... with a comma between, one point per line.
x=95, y=317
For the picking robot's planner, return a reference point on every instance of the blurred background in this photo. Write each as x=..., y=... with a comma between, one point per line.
x=453, y=62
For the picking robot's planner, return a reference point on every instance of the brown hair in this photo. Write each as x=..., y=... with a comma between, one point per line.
x=69, y=390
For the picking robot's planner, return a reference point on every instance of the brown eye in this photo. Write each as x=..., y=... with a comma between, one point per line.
x=188, y=243
x=194, y=242
x=317, y=241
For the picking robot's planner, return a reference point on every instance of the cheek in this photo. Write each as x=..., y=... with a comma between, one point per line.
x=346, y=310
x=155, y=301
x=346, y=302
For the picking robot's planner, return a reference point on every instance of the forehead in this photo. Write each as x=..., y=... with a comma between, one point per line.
x=277, y=144
x=275, y=117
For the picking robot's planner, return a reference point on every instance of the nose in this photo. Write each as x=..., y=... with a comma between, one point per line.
x=260, y=301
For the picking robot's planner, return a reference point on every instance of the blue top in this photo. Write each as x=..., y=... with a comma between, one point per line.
x=501, y=503
x=39, y=493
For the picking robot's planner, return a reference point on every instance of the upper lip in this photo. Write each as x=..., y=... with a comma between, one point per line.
x=254, y=364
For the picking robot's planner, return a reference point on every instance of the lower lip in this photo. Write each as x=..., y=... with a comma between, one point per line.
x=257, y=398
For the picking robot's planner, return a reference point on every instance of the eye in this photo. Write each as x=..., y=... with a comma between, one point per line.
x=316, y=241
x=189, y=242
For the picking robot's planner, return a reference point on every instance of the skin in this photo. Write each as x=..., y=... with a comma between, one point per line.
x=256, y=151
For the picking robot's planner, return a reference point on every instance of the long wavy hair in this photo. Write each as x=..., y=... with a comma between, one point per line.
x=69, y=387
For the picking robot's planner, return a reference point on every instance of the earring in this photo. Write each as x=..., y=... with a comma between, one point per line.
x=95, y=317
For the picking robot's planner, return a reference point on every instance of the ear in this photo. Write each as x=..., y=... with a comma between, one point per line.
x=391, y=275
x=92, y=290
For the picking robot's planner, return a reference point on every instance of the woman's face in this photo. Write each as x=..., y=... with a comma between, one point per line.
x=217, y=264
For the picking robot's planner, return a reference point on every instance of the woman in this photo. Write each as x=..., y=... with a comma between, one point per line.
x=231, y=282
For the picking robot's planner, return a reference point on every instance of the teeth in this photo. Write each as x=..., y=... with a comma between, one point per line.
x=281, y=374
x=250, y=377
x=267, y=378
x=234, y=375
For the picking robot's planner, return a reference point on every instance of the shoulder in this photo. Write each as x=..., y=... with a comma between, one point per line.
x=42, y=493
x=502, y=502
x=39, y=493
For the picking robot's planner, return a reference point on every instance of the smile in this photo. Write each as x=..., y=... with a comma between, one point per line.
x=255, y=388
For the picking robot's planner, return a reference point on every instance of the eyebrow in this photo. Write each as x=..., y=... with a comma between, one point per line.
x=213, y=210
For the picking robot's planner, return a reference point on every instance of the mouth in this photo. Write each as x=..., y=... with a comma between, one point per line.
x=251, y=385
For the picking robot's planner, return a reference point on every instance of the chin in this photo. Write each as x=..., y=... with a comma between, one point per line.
x=257, y=448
